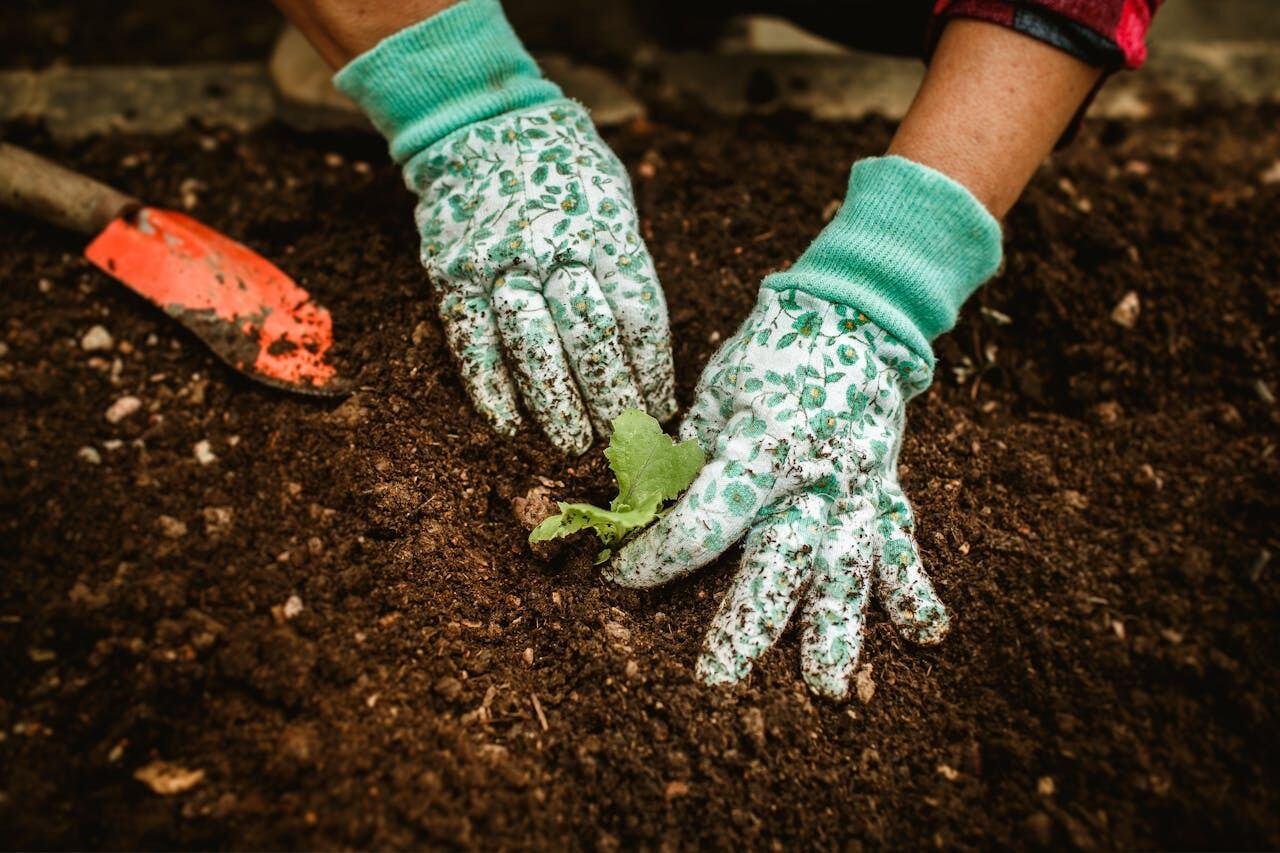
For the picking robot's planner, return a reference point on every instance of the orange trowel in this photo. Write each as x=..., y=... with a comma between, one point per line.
x=252, y=315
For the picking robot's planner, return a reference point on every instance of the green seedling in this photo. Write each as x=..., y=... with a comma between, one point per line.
x=650, y=468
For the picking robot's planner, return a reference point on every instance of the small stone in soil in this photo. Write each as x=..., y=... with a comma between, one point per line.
x=204, y=453
x=865, y=687
x=90, y=455
x=1147, y=477
x=171, y=527
x=617, y=632
x=1127, y=309
x=292, y=607
x=122, y=408
x=96, y=339
x=676, y=788
x=1108, y=412
x=168, y=779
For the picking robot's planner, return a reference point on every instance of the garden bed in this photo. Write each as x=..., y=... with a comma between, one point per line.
x=338, y=622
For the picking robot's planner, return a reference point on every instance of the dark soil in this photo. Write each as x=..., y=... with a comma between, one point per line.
x=1097, y=505
x=42, y=33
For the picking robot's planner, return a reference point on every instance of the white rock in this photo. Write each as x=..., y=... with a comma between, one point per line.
x=97, y=339
x=292, y=606
x=112, y=444
x=1127, y=309
x=122, y=408
x=90, y=455
x=204, y=453
x=863, y=684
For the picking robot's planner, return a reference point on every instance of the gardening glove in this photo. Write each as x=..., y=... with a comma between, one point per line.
x=528, y=224
x=802, y=412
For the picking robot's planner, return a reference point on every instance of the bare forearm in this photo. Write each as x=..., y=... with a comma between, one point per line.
x=991, y=107
x=340, y=30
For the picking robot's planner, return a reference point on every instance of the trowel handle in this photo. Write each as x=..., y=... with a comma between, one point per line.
x=38, y=187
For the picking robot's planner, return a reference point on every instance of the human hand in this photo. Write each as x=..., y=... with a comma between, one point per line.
x=530, y=234
x=802, y=412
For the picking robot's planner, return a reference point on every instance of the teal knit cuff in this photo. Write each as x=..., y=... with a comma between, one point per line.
x=462, y=65
x=907, y=248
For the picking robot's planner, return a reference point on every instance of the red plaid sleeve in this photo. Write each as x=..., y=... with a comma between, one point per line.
x=1110, y=34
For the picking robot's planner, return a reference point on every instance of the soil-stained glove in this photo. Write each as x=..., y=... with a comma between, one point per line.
x=802, y=412
x=528, y=224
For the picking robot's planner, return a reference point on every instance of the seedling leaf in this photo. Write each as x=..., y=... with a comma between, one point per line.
x=650, y=469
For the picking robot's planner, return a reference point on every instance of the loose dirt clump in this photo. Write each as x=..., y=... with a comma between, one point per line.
x=324, y=628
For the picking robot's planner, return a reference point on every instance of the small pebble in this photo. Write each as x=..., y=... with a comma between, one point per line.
x=1045, y=786
x=90, y=455
x=1127, y=309
x=45, y=285
x=171, y=527
x=617, y=632
x=97, y=339
x=122, y=408
x=204, y=454
x=1147, y=476
x=863, y=684
x=292, y=607
x=1108, y=412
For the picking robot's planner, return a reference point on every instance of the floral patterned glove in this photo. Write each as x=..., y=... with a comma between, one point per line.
x=530, y=233
x=528, y=226
x=804, y=410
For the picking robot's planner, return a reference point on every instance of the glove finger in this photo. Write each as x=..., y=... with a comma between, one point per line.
x=530, y=337
x=713, y=514
x=590, y=337
x=630, y=284
x=712, y=405
x=904, y=588
x=471, y=331
x=776, y=562
x=836, y=605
